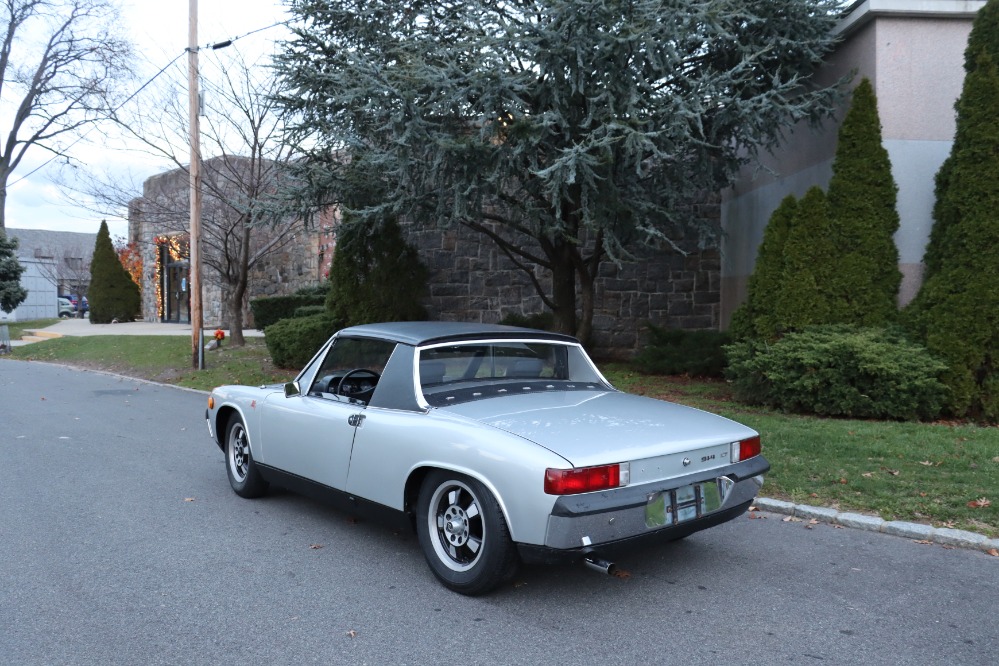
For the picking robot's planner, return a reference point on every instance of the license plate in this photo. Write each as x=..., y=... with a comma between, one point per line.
x=672, y=507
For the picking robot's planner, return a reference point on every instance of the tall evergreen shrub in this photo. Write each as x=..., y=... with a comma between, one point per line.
x=757, y=317
x=12, y=293
x=956, y=311
x=831, y=258
x=862, y=201
x=112, y=293
x=375, y=275
x=810, y=293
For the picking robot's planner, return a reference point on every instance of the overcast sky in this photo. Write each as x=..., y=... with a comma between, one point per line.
x=159, y=30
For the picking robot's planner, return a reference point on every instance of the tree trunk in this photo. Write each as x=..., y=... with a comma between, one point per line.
x=234, y=302
x=584, y=328
x=564, y=287
x=3, y=208
x=234, y=313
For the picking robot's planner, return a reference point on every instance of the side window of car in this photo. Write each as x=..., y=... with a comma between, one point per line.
x=351, y=369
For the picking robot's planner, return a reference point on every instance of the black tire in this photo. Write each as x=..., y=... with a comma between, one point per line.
x=463, y=534
x=244, y=477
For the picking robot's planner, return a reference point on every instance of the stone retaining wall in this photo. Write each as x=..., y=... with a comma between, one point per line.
x=471, y=279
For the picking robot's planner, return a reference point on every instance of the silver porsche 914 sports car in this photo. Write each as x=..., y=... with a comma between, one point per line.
x=499, y=444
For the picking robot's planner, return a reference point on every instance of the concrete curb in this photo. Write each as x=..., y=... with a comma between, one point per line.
x=916, y=531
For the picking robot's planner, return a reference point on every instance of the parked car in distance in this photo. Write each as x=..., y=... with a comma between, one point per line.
x=75, y=300
x=498, y=445
x=66, y=308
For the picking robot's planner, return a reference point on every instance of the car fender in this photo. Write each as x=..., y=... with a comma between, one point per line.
x=244, y=401
x=392, y=445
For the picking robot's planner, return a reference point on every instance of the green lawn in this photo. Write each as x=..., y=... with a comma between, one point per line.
x=18, y=328
x=946, y=474
x=920, y=472
x=162, y=358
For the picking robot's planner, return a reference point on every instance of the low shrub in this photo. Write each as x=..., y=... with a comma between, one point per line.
x=678, y=352
x=840, y=371
x=309, y=310
x=268, y=310
x=292, y=342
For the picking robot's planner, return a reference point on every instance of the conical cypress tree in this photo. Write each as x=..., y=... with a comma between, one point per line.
x=811, y=279
x=756, y=318
x=862, y=203
x=957, y=309
x=112, y=293
x=984, y=38
x=832, y=259
x=375, y=275
x=12, y=293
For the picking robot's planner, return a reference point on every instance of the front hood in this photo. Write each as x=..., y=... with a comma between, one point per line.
x=593, y=428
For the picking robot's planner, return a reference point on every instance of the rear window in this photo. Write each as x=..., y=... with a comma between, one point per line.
x=450, y=369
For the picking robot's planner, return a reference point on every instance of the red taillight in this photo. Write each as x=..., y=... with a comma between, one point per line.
x=586, y=479
x=746, y=448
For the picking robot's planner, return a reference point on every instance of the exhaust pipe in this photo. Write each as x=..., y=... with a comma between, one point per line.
x=601, y=566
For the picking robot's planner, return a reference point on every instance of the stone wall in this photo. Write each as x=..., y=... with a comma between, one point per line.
x=295, y=264
x=471, y=279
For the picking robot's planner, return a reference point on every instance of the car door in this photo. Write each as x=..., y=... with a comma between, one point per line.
x=311, y=434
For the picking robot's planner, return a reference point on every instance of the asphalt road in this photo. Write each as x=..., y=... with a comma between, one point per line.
x=121, y=543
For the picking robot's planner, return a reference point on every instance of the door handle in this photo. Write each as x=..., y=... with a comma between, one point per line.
x=355, y=419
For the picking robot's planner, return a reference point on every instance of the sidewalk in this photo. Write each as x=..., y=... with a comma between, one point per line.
x=83, y=327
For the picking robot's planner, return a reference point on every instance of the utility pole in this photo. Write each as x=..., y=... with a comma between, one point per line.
x=197, y=325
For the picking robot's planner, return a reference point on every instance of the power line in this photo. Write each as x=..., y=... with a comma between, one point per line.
x=228, y=42
x=215, y=46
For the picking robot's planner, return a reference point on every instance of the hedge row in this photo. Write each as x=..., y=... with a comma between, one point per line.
x=271, y=309
x=293, y=342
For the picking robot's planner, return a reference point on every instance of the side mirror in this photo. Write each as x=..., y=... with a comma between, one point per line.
x=292, y=389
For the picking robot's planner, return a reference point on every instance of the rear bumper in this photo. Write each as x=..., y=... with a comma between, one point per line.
x=530, y=554
x=599, y=523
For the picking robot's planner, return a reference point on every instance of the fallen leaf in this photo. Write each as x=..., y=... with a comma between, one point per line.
x=994, y=552
x=979, y=503
x=316, y=546
x=622, y=574
x=893, y=472
x=188, y=499
x=352, y=633
x=926, y=462
x=867, y=475
x=814, y=495
x=843, y=481
x=791, y=519
x=813, y=521
x=922, y=494
x=839, y=527
x=996, y=459
x=925, y=542
x=753, y=508
x=755, y=516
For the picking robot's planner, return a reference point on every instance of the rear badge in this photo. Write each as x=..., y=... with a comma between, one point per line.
x=686, y=462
